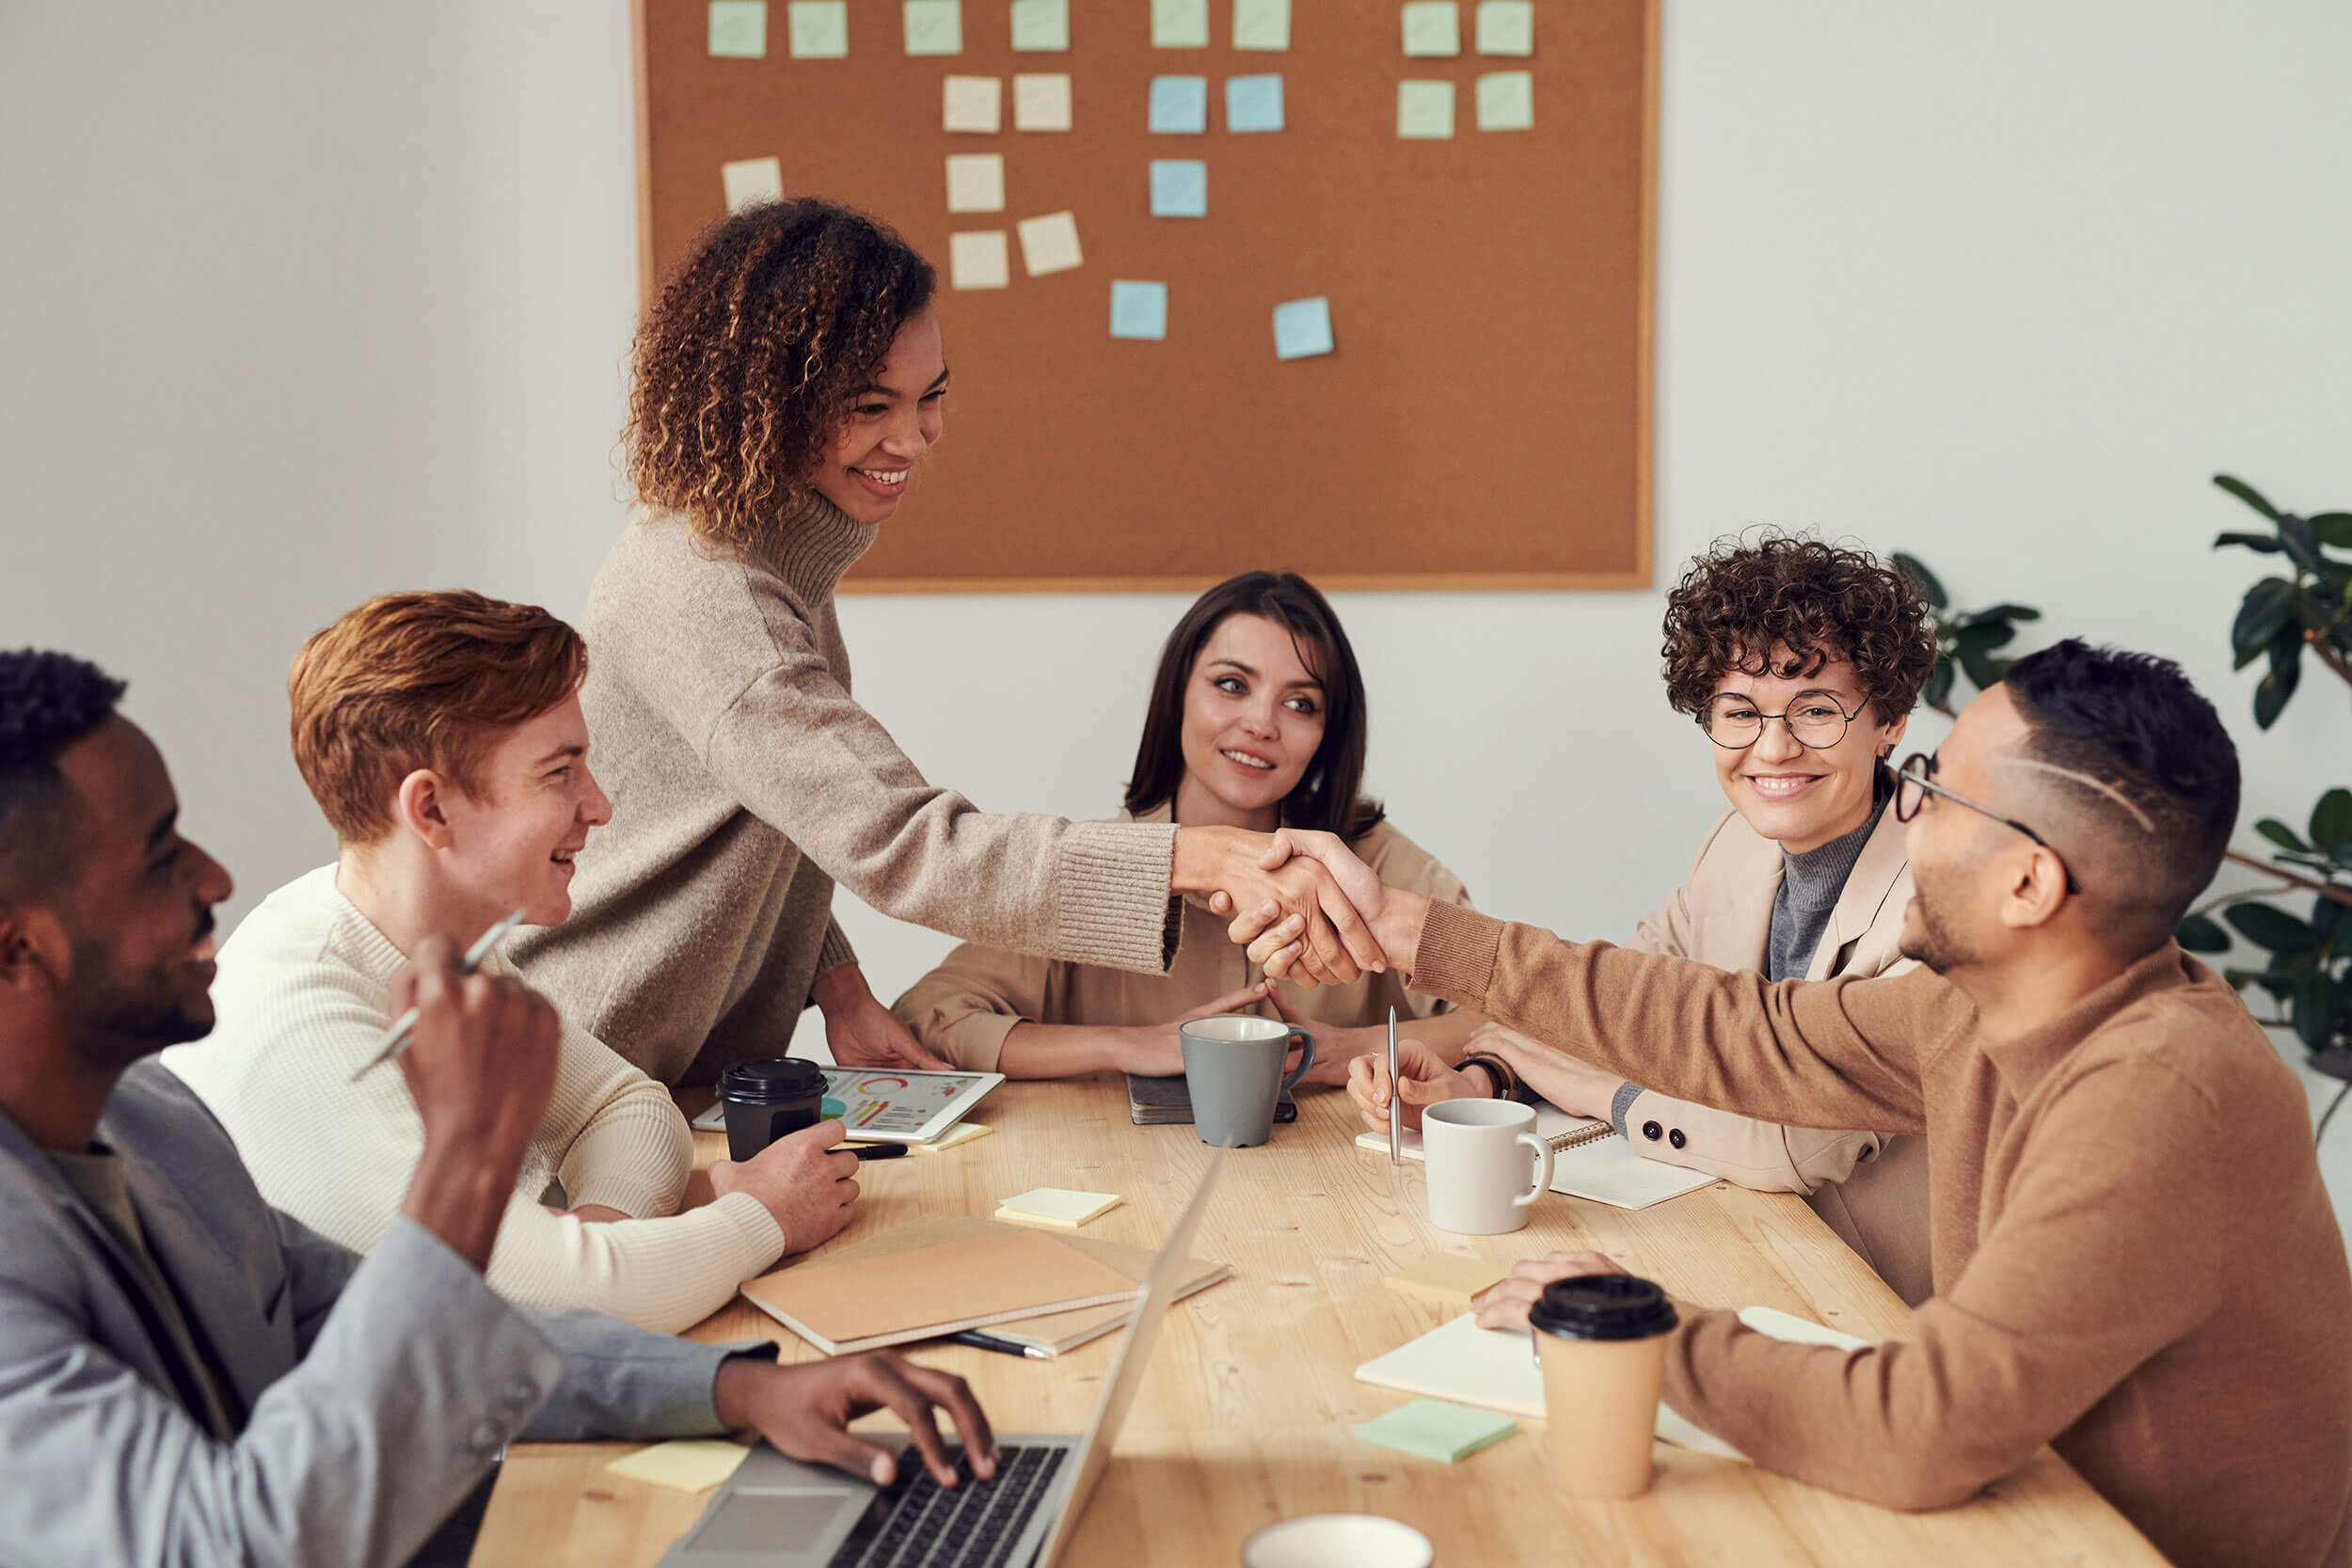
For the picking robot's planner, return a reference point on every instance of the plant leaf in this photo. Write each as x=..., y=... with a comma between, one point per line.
x=2331, y=819
x=2261, y=542
x=2282, y=835
x=2302, y=545
x=2012, y=612
x=2266, y=609
x=1939, y=684
x=2271, y=694
x=1982, y=668
x=2312, y=1007
x=2201, y=933
x=2268, y=926
x=1981, y=635
x=2332, y=527
x=1921, y=579
x=2248, y=493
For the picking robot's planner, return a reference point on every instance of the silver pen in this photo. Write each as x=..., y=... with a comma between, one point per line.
x=1396, y=1099
x=396, y=1037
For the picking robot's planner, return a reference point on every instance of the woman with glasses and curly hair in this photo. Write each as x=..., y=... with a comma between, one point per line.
x=787, y=384
x=1800, y=663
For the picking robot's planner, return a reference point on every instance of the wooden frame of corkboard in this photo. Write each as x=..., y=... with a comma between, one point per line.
x=1486, y=421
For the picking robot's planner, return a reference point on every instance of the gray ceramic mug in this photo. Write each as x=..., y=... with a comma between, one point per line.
x=1234, y=1074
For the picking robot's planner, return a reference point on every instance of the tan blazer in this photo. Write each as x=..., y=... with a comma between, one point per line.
x=965, y=1008
x=1872, y=1188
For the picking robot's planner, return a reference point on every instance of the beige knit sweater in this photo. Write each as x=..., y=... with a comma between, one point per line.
x=745, y=782
x=304, y=997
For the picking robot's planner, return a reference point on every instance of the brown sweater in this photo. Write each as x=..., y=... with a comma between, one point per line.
x=2135, y=1261
x=745, y=782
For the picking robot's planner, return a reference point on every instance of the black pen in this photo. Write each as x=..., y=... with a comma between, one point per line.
x=871, y=1151
x=1002, y=1347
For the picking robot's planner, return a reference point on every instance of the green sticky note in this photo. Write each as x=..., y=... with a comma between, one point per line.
x=1180, y=24
x=1506, y=27
x=935, y=26
x=739, y=29
x=1506, y=101
x=819, y=29
x=1433, y=27
x=1424, y=110
x=1263, y=25
x=1428, y=1429
x=1040, y=27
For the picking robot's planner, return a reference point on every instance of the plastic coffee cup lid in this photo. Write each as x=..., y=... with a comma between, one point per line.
x=1602, y=1306
x=1338, y=1541
x=765, y=1080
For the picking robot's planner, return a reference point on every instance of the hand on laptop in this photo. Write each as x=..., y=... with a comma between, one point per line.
x=805, y=1410
x=1506, y=1306
x=809, y=1190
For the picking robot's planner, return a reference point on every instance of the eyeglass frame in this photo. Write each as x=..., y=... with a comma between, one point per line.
x=1764, y=719
x=1925, y=780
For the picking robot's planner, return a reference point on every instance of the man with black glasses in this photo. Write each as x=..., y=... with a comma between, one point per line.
x=2134, y=1259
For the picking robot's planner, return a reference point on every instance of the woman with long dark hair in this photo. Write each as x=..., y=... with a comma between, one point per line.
x=1257, y=720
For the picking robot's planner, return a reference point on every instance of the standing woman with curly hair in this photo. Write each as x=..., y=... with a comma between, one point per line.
x=1800, y=662
x=787, y=385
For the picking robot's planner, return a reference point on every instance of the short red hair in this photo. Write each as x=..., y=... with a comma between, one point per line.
x=420, y=680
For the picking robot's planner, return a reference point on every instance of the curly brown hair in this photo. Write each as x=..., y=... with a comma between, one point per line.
x=1822, y=602
x=747, y=364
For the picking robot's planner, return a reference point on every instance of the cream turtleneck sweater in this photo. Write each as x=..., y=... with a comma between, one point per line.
x=303, y=997
x=745, y=780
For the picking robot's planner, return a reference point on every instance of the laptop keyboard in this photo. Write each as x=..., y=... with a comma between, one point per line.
x=972, y=1526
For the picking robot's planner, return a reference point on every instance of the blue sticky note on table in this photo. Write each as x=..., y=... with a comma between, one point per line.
x=1180, y=105
x=1179, y=188
x=1302, y=328
x=1138, y=309
x=1430, y=1429
x=1253, y=102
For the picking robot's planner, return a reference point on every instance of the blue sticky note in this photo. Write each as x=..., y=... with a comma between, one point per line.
x=1180, y=105
x=1302, y=328
x=1179, y=188
x=1253, y=102
x=1138, y=309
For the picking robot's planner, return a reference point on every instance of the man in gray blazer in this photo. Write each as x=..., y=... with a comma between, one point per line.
x=188, y=1377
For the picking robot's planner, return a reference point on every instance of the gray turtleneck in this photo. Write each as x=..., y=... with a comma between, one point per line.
x=1810, y=884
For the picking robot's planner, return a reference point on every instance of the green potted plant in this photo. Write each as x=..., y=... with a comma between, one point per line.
x=1967, y=642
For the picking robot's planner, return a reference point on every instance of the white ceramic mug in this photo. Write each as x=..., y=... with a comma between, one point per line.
x=1477, y=1151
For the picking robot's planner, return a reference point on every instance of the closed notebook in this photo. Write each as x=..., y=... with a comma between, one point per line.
x=1051, y=1332
x=1589, y=1160
x=841, y=1305
x=1495, y=1370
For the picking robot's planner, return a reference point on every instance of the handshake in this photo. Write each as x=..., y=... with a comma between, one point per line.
x=1305, y=906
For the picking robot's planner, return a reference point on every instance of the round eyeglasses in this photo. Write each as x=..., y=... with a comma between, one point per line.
x=1736, y=722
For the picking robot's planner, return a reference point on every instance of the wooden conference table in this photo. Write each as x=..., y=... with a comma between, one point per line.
x=1245, y=1417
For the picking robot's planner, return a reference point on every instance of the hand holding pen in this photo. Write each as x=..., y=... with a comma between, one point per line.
x=395, y=1039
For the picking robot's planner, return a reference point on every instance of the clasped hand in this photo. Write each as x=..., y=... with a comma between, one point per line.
x=1309, y=911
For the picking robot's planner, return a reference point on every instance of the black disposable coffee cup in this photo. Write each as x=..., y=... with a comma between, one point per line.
x=769, y=1098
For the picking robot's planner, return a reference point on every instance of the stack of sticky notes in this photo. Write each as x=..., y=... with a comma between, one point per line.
x=1057, y=1206
x=955, y=1137
x=1429, y=1429
x=1447, y=1281
x=690, y=1464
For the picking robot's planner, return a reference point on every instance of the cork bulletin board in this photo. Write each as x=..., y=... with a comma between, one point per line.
x=1479, y=415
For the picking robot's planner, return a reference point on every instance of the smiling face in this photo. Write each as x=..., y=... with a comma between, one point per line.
x=890, y=425
x=1253, y=721
x=1802, y=797
x=140, y=909
x=512, y=846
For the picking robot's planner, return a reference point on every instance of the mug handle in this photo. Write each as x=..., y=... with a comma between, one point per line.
x=1543, y=1169
x=1306, y=1043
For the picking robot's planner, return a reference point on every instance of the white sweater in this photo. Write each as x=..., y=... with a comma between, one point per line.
x=304, y=995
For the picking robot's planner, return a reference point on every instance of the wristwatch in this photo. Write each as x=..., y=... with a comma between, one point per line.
x=1507, y=1084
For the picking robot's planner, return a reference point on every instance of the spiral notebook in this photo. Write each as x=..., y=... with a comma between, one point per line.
x=1589, y=1160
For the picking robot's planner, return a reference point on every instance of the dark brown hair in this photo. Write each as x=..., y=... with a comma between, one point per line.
x=748, y=362
x=420, y=680
x=1328, y=796
x=1822, y=602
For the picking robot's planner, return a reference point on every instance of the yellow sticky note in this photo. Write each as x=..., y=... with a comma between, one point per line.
x=976, y=182
x=933, y=26
x=690, y=1464
x=1180, y=24
x=819, y=29
x=1261, y=25
x=1506, y=26
x=973, y=103
x=750, y=180
x=1506, y=101
x=1424, y=110
x=1057, y=1206
x=1433, y=27
x=1049, y=243
x=739, y=29
x=1446, y=1280
x=979, y=259
x=1041, y=103
x=1040, y=27
x=963, y=1132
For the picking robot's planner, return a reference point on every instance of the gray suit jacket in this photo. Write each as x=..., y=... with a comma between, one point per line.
x=370, y=1395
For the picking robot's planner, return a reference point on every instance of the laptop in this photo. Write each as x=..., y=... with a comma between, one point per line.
x=778, y=1513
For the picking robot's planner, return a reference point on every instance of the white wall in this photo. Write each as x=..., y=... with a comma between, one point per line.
x=305, y=302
